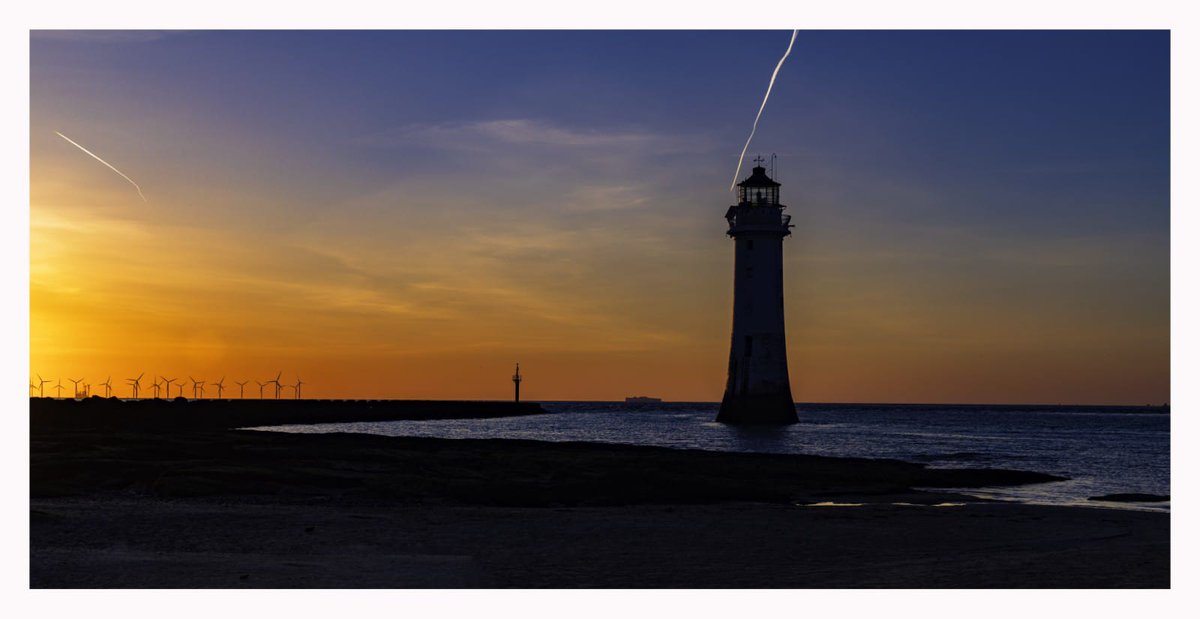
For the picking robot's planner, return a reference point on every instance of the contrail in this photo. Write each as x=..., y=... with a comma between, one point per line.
x=760, y=110
x=110, y=166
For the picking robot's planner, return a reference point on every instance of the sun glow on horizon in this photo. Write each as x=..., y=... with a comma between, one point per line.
x=576, y=231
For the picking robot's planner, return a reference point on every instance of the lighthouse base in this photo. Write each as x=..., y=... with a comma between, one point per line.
x=777, y=409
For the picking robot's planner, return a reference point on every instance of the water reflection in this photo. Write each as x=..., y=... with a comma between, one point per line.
x=1101, y=453
x=769, y=439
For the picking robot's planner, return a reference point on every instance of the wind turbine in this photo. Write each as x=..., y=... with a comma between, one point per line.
x=41, y=383
x=59, y=387
x=260, y=388
x=107, y=384
x=241, y=389
x=136, y=383
x=32, y=386
x=298, y=383
x=76, y=381
x=180, y=385
x=278, y=387
x=156, y=387
x=197, y=385
x=168, y=383
x=220, y=387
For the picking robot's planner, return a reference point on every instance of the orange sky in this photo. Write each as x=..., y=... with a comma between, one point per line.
x=390, y=308
x=594, y=255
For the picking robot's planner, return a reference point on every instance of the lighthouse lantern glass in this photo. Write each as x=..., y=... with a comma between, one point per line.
x=760, y=195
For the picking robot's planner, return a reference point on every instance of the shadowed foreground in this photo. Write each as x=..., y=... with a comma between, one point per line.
x=250, y=509
x=183, y=415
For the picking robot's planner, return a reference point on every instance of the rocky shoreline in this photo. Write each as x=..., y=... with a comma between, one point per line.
x=238, y=508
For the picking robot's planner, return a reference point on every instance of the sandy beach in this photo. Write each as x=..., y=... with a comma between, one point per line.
x=255, y=509
x=137, y=542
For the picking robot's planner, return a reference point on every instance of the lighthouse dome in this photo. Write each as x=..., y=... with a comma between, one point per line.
x=758, y=188
x=758, y=178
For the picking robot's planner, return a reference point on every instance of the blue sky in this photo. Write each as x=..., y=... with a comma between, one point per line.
x=966, y=201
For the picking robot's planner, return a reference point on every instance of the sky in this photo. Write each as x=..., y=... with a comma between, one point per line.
x=981, y=216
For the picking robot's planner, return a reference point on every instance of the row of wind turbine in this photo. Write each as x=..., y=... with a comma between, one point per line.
x=83, y=389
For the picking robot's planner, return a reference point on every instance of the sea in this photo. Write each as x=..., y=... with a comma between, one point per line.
x=1101, y=449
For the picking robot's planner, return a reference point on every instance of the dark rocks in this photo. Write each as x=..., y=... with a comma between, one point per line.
x=464, y=471
x=181, y=414
x=1132, y=497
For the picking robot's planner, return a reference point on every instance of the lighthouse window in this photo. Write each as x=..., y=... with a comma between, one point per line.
x=749, y=345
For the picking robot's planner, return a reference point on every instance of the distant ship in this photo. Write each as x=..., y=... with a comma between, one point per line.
x=641, y=399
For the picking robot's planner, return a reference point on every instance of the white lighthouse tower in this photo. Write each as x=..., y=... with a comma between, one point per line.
x=758, y=390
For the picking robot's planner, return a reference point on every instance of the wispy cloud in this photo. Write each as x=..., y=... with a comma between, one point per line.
x=524, y=131
x=534, y=132
x=607, y=198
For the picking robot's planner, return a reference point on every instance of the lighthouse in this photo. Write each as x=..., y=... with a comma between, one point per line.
x=757, y=390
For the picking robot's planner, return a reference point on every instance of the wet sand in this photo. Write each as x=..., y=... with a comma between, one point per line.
x=145, y=543
x=251, y=509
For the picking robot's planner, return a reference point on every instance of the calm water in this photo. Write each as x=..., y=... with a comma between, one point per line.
x=1102, y=449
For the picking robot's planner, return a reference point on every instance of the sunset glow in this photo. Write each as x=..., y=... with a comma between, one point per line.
x=403, y=215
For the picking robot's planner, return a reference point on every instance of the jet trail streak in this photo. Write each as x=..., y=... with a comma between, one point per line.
x=760, y=110
x=110, y=166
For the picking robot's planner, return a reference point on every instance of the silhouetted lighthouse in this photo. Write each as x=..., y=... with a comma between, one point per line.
x=758, y=390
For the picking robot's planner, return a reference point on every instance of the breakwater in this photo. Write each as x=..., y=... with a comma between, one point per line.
x=48, y=414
